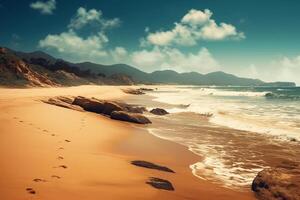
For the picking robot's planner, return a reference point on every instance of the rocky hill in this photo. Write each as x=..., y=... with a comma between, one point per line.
x=37, y=69
x=40, y=69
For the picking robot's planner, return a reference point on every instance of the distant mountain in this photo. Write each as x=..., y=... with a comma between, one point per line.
x=60, y=72
x=172, y=77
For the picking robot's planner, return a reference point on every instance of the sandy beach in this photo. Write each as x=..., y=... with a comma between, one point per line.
x=66, y=154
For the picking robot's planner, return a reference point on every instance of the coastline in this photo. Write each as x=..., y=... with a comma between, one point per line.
x=97, y=155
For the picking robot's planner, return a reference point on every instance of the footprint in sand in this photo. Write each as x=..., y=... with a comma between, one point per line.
x=45, y=130
x=55, y=176
x=53, y=135
x=21, y=121
x=61, y=166
x=39, y=180
x=30, y=190
x=67, y=141
x=60, y=148
x=60, y=158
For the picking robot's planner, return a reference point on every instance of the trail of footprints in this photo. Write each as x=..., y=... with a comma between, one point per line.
x=30, y=190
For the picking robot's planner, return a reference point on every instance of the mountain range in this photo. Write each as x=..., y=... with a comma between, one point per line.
x=37, y=68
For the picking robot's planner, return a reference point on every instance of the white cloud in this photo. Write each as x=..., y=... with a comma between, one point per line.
x=280, y=69
x=194, y=27
x=288, y=69
x=197, y=17
x=45, y=7
x=161, y=38
x=119, y=54
x=148, y=60
x=172, y=58
x=80, y=49
x=85, y=17
x=77, y=48
x=212, y=31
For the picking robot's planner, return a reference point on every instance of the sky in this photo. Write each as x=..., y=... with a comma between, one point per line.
x=256, y=39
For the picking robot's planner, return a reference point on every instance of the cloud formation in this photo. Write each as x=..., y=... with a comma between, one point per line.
x=195, y=26
x=90, y=48
x=78, y=48
x=91, y=17
x=283, y=68
x=45, y=7
x=171, y=58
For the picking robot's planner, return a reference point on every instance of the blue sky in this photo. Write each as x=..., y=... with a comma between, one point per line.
x=258, y=39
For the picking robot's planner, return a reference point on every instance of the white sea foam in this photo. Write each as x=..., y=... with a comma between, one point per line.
x=248, y=111
x=237, y=114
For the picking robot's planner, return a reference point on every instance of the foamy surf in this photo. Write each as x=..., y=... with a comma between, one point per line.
x=261, y=129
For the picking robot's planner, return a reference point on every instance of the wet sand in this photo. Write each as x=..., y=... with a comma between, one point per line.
x=48, y=152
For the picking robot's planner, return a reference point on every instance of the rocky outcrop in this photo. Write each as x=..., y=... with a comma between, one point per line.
x=159, y=183
x=146, y=89
x=91, y=105
x=159, y=111
x=112, y=109
x=133, y=91
x=62, y=101
x=281, y=183
x=135, y=109
x=149, y=165
x=105, y=107
x=130, y=117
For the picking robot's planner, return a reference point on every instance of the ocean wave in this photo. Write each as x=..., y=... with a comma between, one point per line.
x=273, y=95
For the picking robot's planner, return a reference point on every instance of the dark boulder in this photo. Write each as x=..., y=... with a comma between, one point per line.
x=135, y=109
x=97, y=106
x=129, y=117
x=149, y=165
x=109, y=107
x=91, y=105
x=282, y=183
x=159, y=183
x=159, y=111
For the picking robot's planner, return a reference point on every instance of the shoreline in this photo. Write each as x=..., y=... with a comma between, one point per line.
x=98, y=155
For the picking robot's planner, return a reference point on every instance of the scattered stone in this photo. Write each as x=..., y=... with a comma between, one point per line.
x=281, y=183
x=159, y=111
x=149, y=165
x=159, y=183
x=130, y=117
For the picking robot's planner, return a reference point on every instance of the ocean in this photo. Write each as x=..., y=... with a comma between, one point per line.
x=238, y=131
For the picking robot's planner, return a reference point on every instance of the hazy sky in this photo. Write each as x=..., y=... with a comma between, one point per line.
x=254, y=38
